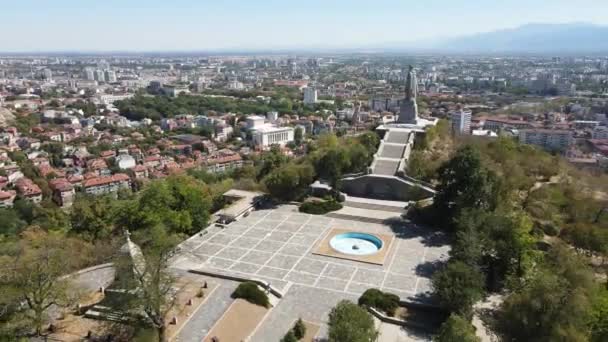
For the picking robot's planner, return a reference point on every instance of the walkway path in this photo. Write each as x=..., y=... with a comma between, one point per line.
x=203, y=319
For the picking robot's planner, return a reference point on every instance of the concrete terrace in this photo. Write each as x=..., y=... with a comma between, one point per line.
x=276, y=245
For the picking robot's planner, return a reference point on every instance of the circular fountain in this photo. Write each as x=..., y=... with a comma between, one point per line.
x=356, y=243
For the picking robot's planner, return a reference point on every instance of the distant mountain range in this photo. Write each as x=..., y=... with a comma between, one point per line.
x=532, y=38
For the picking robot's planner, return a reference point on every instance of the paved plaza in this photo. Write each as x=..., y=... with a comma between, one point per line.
x=276, y=246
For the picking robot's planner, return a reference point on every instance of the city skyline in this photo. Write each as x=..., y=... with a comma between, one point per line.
x=185, y=25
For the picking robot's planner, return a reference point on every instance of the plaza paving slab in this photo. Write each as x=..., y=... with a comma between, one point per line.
x=277, y=246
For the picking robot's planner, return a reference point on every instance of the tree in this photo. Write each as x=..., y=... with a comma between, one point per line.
x=555, y=304
x=499, y=243
x=599, y=317
x=178, y=203
x=298, y=135
x=270, y=161
x=349, y=322
x=155, y=284
x=299, y=329
x=289, y=337
x=332, y=165
x=465, y=183
x=458, y=286
x=10, y=222
x=588, y=238
x=93, y=217
x=289, y=182
x=33, y=275
x=456, y=329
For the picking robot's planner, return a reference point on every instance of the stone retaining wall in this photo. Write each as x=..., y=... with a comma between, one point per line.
x=233, y=277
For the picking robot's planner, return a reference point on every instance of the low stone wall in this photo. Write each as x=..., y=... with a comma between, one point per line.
x=92, y=278
x=392, y=320
x=238, y=278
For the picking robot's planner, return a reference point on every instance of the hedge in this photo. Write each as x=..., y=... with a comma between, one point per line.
x=250, y=292
x=320, y=207
x=377, y=299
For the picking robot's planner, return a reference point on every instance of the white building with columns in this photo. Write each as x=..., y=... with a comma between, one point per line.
x=264, y=134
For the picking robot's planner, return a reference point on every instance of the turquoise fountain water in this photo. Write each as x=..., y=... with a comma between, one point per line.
x=356, y=243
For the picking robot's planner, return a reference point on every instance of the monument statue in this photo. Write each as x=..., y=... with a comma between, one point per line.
x=408, y=112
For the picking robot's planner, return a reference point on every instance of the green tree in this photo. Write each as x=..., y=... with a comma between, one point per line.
x=289, y=182
x=270, y=161
x=465, y=183
x=349, y=322
x=298, y=135
x=10, y=222
x=458, y=286
x=588, y=238
x=299, y=329
x=93, y=217
x=599, y=317
x=332, y=165
x=456, y=329
x=555, y=304
x=179, y=203
x=289, y=337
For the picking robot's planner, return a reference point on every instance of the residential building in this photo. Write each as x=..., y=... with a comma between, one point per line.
x=310, y=95
x=7, y=198
x=600, y=132
x=111, y=76
x=106, y=184
x=222, y=161
x=125, y=161
x=549, y=139
x=461, y=122
x=175, y=90
x=29, y=190
x=89, y=74
x=100, y=76
x=63, y=192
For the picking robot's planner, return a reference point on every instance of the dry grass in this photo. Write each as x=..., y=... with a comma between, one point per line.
x=238, y=322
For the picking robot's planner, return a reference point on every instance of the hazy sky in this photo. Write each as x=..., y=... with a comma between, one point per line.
x=138, y=25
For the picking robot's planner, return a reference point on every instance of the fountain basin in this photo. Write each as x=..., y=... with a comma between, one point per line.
x=353, y=243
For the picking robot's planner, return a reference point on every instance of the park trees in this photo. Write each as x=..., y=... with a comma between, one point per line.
x=298, y=135
x=32, y=274
x=179, y=203
x=456, y=329
x=93, y=217
x=348, y=322
x=555, y=304
x=499, y=243
x=290, y=181
x=156, y=295
x=465, y=183
x=458, y=286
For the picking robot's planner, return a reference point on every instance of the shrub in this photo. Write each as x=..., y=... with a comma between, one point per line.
x=299, y=329
x=289, y=337
x=550, y=229
x=250, y=292
x=348, y=322
x=386, y=302
x=320, y=207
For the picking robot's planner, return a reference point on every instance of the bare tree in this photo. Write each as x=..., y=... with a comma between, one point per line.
x=155, y=293
x=34, y=274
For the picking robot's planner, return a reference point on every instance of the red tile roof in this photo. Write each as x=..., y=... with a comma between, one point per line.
x=26, y=187
x=97, y=181
x=60, y=184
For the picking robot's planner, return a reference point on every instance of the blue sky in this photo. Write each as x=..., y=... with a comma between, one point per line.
x=146, y=25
